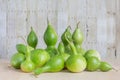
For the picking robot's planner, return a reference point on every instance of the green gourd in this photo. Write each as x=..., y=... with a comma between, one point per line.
x=66, y=44
x=68, y=34
x=104, y=66
x=21, y=48
x=50, y=36
x=39, y=57
x=32, y=39
x=91, y=52
x=93, y=63
x=17, y=59
x=78, y=38
x=77, y=35
x=27, y=65
x=55, y=64
x=76, y=62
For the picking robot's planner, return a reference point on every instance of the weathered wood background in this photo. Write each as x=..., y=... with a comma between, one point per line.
x=100, y=20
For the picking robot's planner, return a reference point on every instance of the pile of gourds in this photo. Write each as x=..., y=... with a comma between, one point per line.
x=68, y=55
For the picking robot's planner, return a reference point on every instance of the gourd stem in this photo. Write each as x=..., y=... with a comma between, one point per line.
x=71, y=45
x=69, y=27
x=28, y=53
x=31, y=28
x=41, y=70
x=78, y=24
x=114, y=69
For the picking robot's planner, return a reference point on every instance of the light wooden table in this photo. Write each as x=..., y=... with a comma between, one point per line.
x=9, y=73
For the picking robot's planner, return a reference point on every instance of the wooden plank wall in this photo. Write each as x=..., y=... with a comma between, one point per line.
x=99, y=19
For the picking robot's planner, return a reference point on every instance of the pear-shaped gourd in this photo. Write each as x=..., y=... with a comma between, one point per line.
x=32, y=39
x=21, y=48
x=55, y=64
x=77, y=36
x=104, y=66
x=50, y=36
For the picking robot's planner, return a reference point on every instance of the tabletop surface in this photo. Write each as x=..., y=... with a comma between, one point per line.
x=9, y=73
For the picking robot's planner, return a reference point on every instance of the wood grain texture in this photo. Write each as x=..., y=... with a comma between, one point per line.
x=99, y=19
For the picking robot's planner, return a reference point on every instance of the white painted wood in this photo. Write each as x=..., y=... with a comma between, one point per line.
x=102, y=27
x=117, y=30
x=3, y=23
x=99, y=21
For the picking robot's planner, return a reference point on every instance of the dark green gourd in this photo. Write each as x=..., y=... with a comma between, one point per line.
x=32, y=39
